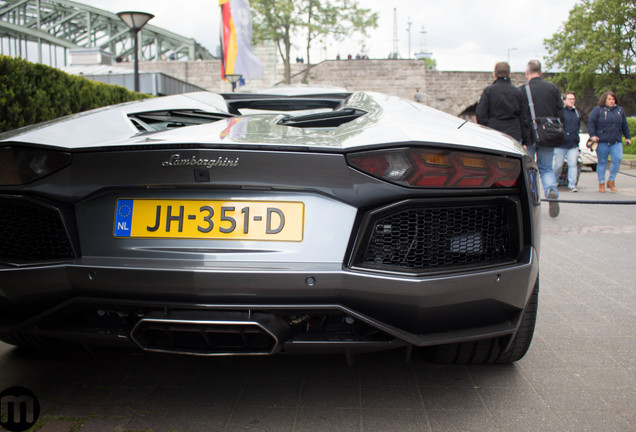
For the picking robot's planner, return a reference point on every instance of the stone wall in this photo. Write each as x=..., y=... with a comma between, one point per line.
x=453, y=92
x=202, y=73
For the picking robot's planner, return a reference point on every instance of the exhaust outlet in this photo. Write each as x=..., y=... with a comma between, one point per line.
x=210, y=333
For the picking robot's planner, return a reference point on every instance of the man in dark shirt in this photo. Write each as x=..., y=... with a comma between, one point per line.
x=502, y=106
x=547, y=103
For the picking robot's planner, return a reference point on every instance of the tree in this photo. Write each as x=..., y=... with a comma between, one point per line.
x=430, y=63
x=323, y=19
x=311, y=20
x=596, y=47
x=276, y=20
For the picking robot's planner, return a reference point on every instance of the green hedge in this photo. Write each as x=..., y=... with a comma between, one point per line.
x=631, y=122
x=32, y=93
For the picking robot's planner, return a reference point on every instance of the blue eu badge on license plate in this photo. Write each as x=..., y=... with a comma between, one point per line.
x=123, y=218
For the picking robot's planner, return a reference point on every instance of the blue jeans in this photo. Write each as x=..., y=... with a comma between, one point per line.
x=572, y=155
x=603, y=151
x=544, y=157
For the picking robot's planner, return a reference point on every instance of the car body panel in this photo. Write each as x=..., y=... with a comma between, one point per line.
x=587, y=155
x=389, y=120
x=105, y=125
x=313, y=293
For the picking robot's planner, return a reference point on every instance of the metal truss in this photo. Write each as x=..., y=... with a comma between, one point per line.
x=68, y=24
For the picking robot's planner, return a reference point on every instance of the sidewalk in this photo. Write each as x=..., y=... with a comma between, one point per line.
x=588, y=186
x=579, y=374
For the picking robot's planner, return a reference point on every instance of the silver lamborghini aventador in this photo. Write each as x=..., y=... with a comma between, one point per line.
x=255, y=224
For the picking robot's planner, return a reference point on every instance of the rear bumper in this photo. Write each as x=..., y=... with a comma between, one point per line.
x=51, y=301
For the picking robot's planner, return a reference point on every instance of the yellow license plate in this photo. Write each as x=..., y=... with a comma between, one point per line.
x=205, y=219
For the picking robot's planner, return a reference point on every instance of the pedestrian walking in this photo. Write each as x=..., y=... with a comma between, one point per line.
x=607, y=125
x=417, y=96
x=501, y=106
x=569, y=150
x=544, y=101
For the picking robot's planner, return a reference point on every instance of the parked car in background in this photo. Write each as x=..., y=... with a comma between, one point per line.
x=587, y=151
x=319, y=223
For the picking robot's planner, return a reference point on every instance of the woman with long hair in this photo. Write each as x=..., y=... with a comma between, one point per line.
x=607, y=125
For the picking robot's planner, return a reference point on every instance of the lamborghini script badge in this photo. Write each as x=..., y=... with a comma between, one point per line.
x=176, y=160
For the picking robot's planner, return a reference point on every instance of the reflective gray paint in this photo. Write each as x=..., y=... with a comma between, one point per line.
x=313, y=169
x=106, y=125
x=389, y=120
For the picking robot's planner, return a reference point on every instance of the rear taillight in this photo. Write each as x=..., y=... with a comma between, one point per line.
x=438, y=168
x=23, y=165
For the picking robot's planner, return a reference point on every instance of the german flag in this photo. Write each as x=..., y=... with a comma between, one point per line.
x=236, y=41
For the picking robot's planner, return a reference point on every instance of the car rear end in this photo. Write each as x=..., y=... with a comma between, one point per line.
x=258, y=235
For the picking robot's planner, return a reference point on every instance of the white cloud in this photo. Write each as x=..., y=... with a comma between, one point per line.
x=461, y=34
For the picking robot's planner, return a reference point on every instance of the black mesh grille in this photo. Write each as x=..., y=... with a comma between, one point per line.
x=433, y=239
x=32, y=232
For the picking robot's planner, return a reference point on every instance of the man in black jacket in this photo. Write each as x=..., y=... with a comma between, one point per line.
x=502, y=106
x=547, y=103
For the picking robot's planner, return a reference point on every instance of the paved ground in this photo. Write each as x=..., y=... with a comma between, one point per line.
x=580, y=373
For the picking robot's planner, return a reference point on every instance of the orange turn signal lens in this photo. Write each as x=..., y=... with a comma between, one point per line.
x=506, y=165
x=435, y=159
x=473, y=162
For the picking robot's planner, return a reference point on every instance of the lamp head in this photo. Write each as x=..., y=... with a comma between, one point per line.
x=135, y=20
x=233, y=78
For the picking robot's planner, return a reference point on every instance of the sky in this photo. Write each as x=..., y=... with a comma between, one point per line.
x=462, y=35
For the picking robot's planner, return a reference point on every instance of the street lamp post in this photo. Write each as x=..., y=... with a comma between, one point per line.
x=409, y=30
x=510, y=49
x=135, y=22
x=233, y=79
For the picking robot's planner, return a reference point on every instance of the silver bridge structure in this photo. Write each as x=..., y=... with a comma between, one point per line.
x=40, y=30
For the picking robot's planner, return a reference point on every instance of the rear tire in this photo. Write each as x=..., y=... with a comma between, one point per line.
x=487, y=351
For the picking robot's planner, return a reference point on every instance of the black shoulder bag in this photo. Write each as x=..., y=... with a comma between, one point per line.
x=548, y=131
